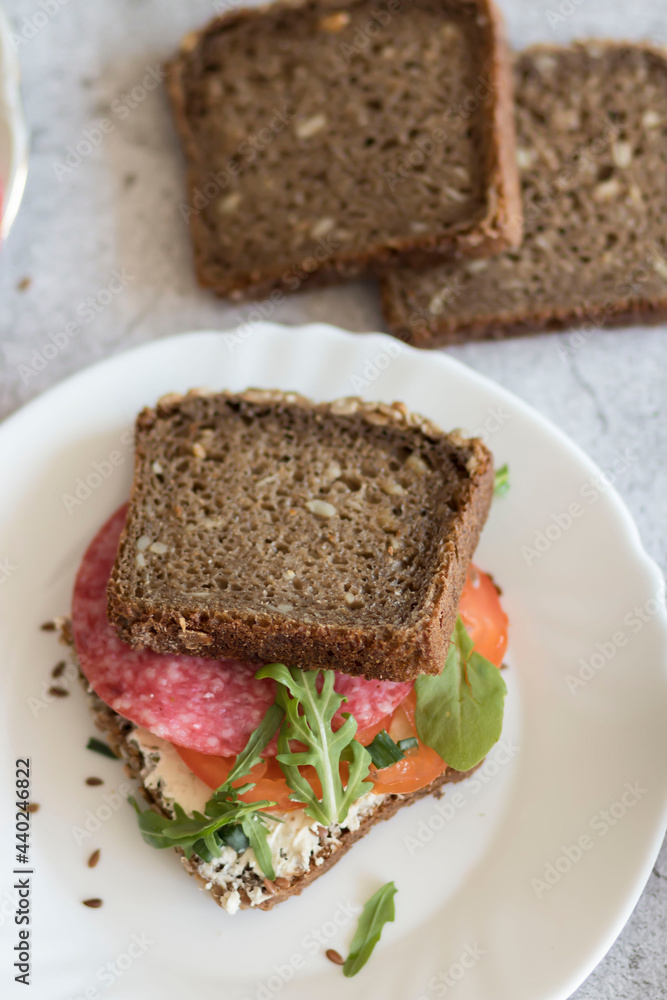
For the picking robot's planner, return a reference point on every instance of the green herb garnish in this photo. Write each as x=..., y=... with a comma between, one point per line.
x=100, y=747
x=234, y=837
x=460, y=712
x=226, y=819
x=378, y=911
x=256, y=745
x=502, y=481
x=308, y=715
x=409, y=743
x=384, y=752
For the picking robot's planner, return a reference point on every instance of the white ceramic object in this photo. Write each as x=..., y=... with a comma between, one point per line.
x=517, y=882
x=13, y=131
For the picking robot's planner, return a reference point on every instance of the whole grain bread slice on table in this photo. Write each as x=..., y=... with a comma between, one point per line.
x=266, y=527
x=325, y=138
x=592, y=145
x=239, y=876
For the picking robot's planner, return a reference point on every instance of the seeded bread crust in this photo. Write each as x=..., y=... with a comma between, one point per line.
x=594, y=253
x=201, y=94
x=117, y=730
x=340, y=539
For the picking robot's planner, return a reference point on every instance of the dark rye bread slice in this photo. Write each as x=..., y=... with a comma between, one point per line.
x=265, y=527
x=118, y=730
x=592, y=149
x=324, y=138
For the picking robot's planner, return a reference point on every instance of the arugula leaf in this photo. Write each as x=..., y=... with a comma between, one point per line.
x=384, y=752
x=186, y=831
x=259, y=740
x=226, y=819
x=460, y=712
x=99, y=746
x=256, y=831
x=378, y=911
x=502, y=481
x=308, y=715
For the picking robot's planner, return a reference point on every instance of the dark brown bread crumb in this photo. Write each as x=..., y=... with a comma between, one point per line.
x=317, y=144
x=94, y=904
x=94, y=858
x=592, y=141
x=334, y=956
x=266, y=527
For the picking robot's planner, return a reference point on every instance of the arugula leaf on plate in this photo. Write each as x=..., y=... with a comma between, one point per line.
x=502, y=481
x=460, y=712
x=308, y=715
x=378, y=911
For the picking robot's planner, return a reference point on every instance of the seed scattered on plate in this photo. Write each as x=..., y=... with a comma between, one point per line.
x=58, y=692
x=94, y=904
x=32, y=807
x=94, y=781
x=92, y=861
x=334, y=956
x=59, y=669
x=48, y=627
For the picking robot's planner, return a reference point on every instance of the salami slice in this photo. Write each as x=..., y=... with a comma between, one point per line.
x=207, y=705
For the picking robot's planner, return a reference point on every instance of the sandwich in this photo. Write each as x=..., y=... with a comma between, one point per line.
x=282, y=632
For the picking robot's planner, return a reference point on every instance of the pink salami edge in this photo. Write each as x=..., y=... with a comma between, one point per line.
x=207, y=705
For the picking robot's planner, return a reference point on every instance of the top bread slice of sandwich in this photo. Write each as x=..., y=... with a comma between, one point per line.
x=325, y=139
x=265, y=527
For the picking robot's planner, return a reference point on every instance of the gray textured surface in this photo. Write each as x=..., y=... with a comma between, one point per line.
x=117, y=210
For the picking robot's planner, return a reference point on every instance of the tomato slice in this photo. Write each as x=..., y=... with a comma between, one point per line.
x=269, y=779
x=486, y=622
x=367, y=735
x=421, y=765
x=274, y=788
x=483, y=615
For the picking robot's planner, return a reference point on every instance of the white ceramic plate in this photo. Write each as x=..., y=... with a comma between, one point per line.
x=515, y=889
x=13, y=131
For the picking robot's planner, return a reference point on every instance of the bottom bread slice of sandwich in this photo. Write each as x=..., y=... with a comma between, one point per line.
x=302, y=850
x=261, y=777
